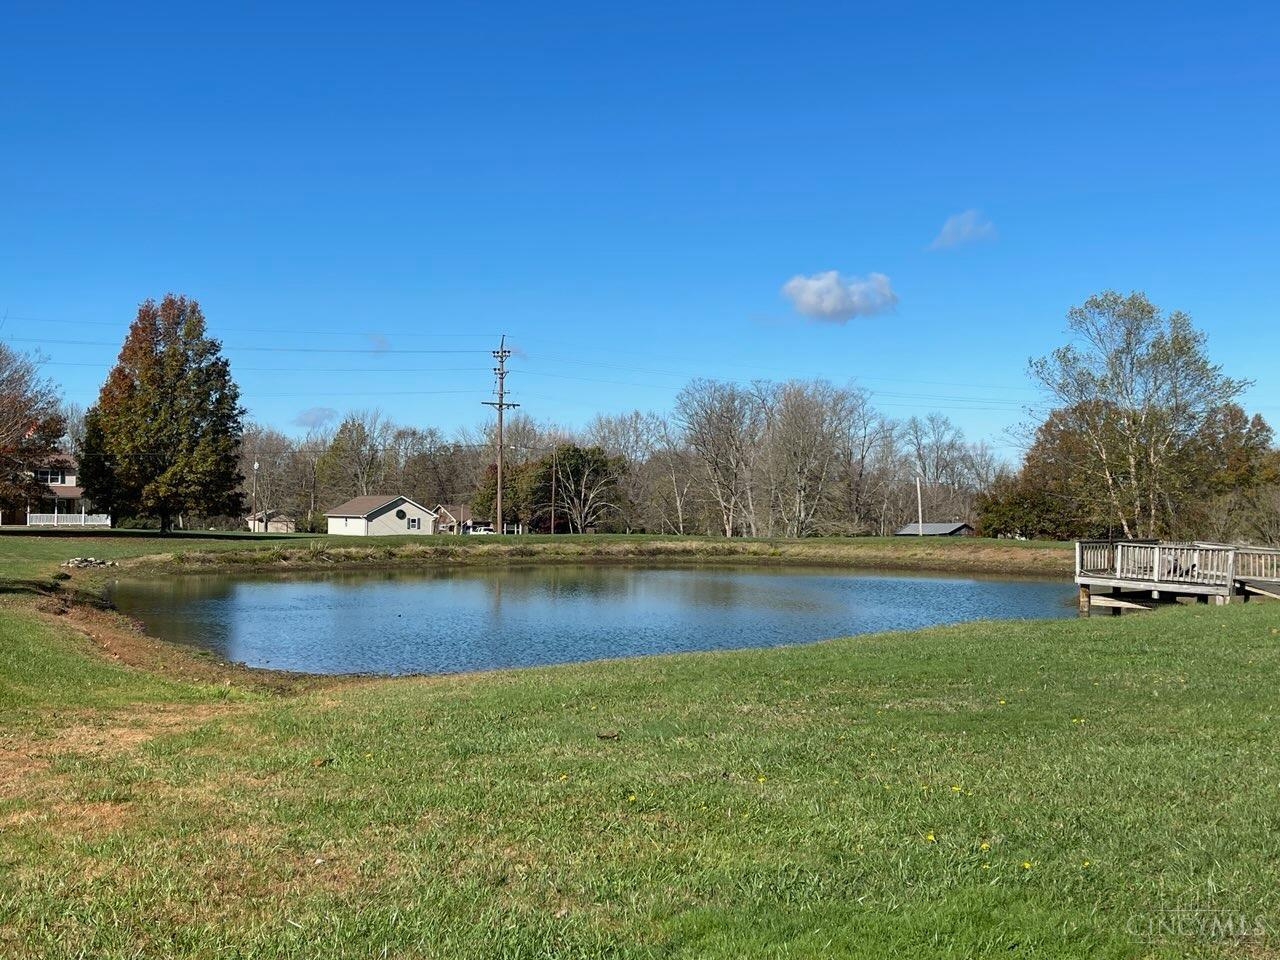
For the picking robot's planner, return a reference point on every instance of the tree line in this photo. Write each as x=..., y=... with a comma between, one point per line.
x=801, y=458
x=1144, y=437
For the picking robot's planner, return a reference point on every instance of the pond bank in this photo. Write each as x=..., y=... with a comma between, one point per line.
x=969, y=555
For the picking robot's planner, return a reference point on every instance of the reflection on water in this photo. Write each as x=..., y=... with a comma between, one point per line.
x=473, y=619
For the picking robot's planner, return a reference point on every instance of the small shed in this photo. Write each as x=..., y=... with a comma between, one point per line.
x=271, y=521
x=380, y=515
x=956, y=528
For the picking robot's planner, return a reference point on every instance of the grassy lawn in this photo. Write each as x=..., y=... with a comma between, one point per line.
x=1046, y=789
x=30, y=557
x=24, y=557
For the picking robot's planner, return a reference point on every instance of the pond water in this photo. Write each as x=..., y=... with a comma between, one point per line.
x=475, y=619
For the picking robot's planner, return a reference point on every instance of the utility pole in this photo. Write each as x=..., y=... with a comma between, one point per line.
x=501, y=404
x=919, y=508
x=554, y=471
x=254, y=515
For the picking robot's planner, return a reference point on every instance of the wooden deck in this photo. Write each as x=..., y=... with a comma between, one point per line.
x=1135, y=575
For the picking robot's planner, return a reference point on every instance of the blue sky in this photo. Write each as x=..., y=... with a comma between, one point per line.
x=626, y=190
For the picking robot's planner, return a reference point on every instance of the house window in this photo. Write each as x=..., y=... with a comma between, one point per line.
x=51, y=475
x=415, y=523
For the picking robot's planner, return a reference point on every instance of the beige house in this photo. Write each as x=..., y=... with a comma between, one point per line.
x=64, y=504
x=380, y=515
x=271, y=521
x=457, y=518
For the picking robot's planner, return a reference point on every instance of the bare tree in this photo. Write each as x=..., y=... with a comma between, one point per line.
x=634, y=437
x=940, y=457
x=865, y=470
x=271, y=451
x=587, y=484
x=356, y=461
x=31, y=424
x=73, y=414
x=722, y=424
x=802, y=433
x=1138, y=385
x=673, y=459
x=306, y=461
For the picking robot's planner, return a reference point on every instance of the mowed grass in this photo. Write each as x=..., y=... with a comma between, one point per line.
x=1046, y=789
x=25, y=557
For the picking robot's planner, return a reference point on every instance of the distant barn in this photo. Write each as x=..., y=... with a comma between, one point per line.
x=936, y=530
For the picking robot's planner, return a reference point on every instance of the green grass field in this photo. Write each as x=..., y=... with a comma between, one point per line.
x=1046, y=789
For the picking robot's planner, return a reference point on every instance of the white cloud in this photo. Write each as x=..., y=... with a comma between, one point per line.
x=960, y=228
x=830, y=296
x=313, y=417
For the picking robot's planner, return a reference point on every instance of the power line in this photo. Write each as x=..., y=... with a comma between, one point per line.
x=240, y=369
x=374, y=350
x=309, y=332
x=371, y=393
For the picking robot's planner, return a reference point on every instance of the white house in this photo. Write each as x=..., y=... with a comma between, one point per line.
x=380, y=515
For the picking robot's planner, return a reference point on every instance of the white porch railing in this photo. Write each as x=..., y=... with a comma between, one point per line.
x=68, y=519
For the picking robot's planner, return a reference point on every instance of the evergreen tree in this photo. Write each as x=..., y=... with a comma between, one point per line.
x=164, y=437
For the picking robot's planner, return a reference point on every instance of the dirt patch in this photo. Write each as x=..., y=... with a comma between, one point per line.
x=25, y=760
x=17, y=764
x=112, y=734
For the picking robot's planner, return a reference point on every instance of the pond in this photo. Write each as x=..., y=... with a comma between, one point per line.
x=440, y=621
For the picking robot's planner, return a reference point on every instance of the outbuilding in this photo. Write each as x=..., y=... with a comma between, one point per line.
x=380, y=515
x=271, y=521
x=953, y=529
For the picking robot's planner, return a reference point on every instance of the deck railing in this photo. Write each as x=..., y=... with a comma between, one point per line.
x=1202, y=564
x=1095, y=556
x=1257, y=563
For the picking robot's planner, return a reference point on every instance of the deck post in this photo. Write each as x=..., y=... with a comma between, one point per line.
x=1084, y=600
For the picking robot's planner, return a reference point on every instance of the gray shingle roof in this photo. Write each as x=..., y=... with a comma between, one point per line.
x=931, y=529
x=363, y=506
